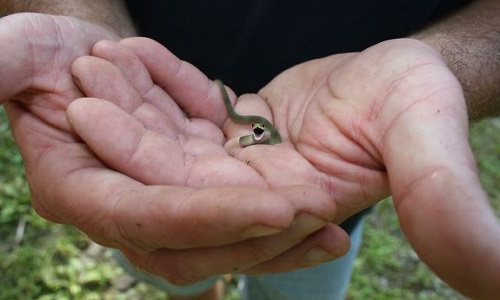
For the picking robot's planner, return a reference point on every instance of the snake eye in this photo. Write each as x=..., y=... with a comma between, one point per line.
x=258, y=126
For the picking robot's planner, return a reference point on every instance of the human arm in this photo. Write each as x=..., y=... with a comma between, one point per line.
x=469, y=42
x=109, y=14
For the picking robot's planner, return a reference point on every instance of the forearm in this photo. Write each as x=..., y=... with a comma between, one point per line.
x=110, y=14
x=469, y=41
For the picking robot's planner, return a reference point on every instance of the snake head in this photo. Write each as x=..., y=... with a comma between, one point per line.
x=260, y=135
x=260, y=132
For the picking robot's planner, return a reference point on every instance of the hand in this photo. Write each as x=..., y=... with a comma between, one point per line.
x=391, y=116
x=184, y=210
x=69, y=185
x=393, y=111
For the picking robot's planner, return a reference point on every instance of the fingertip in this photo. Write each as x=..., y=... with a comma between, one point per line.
x=73, y=111
x=84, y=108
x=99, y=123
x=101, y=77
x=331, y=243
x=80, y=67
x=103, y=46
x=339, y=239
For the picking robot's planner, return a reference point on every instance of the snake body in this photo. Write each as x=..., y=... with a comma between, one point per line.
x=264, y=131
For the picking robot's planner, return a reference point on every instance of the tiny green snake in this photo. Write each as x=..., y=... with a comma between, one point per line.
x=263, y=130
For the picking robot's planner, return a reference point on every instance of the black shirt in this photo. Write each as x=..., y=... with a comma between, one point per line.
x=246, y=43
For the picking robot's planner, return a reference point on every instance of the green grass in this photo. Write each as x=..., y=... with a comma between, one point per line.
x=41, y=260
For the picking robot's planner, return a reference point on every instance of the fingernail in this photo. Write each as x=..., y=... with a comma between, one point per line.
x=317, y=255
x=260, y=231
x=306, y=224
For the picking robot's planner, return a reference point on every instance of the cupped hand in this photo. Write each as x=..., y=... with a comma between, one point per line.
x=36, y=87
x=391, y=118
x=70, y=185
x=184, y=208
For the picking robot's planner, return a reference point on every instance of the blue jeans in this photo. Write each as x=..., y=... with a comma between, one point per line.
x=326, y=281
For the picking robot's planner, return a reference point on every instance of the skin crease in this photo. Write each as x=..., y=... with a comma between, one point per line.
x=341, y=134
x=70, y=185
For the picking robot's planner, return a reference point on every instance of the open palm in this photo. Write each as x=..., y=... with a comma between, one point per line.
x=391, y=118
x=160, y=125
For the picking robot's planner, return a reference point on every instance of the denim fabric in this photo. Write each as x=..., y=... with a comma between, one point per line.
x=326, y=281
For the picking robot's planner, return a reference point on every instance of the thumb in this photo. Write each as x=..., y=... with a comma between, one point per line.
x=441, y=205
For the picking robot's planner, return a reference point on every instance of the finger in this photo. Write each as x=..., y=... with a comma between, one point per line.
x=148, y=218
x=191, y=265
x=123, y=143
x=192, y=90
x=117, y=211
x=127, y=62
x=145, y=218
x=182, y=218
x=99, y=78
x=327, y=244
x=440, y=185
x=438, y=206
x=136, y=94
x=135, y=75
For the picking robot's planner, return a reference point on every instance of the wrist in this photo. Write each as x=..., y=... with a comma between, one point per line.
x=109, y=14
x=469, y=43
